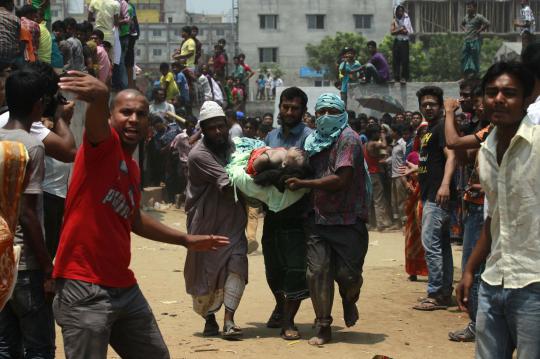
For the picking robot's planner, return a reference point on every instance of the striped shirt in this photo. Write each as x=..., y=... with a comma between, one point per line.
x=10, y=29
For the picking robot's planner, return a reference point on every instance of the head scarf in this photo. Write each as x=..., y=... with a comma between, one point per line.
x=328, y=127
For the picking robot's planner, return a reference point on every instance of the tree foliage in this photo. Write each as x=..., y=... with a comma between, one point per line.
x=439, y=59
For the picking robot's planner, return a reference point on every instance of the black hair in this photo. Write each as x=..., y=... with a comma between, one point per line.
x=372, y=130
x=417, y=113
x=164, y=66
x=230, y=113
x=478, y=91
x=24, y=88
x=530, y=58
x=26, y=10
x=515, y=69
x=87, y=26
x=186, y=29
x=372, y=43
x=242, y=55
x=70, y=22
x=469, y=83
x=268, y=114
x=222, y=41
x=154, y=119
x=471, y=2
x=434, y=91
x=194, y=28
x=355, y=123
x=291, y=93
x=399, y=7
x=351, y=114
x=398, y=128
x=48, y=74
x=100, y=35
x=8, y=4
x=58, y=25
x=264, y=128
x=252, y=121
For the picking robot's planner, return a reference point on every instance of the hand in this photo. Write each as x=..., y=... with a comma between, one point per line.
x=65, y=112
x=86, y=87
x=407, y=169
x=294, y=183
x=451, y=105
x=463, y=289
x=203, y=243
x=443, y=195
x=49, y=286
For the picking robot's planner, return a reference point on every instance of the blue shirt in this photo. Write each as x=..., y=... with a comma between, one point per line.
x=297, y=137
x=183, y=86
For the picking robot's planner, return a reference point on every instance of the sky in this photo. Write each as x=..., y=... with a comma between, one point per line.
x=209, y=6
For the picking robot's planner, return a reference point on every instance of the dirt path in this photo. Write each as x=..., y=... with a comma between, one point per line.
x=387, y=323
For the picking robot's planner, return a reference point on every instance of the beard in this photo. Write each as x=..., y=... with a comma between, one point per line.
x=220, y=149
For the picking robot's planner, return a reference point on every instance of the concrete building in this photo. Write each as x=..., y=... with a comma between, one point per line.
x=277, y=31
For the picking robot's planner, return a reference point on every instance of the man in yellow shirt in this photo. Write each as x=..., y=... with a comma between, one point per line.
x=188, y=49
x=167, y=82
x=45, y=40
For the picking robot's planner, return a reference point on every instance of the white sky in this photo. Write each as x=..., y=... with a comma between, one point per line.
x=209, y=6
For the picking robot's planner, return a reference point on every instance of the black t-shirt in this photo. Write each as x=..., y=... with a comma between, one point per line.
x=432, y=163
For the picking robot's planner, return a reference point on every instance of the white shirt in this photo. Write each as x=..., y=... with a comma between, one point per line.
x=513, y=192
x=526, y=14
x=38, y=130
x=56, y=177
x=534, y=111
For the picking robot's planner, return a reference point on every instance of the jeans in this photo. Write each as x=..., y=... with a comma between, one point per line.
x=400, y=59
x=508, y=319
x=26, y=322
x=436, y=242
x=372, y=74
x=334, y=253
x=472, y=227
x=92, y=316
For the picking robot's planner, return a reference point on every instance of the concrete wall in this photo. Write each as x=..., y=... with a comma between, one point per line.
x=292, y=34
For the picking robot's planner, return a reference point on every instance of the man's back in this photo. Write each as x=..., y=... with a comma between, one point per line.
x=104, y=12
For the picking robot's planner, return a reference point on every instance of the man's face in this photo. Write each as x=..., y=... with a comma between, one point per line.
x=236, y=61
x=96, y=39
x=399, y=12
x=216, y=131
x=349, y=56
x=408, y=116
x=407, y=135
x=250, y=131
x=430, y=108
x=372, y=49
x=465, y=95
x=503, y=101
x=268, y=120
x=194, y=32
x=416, y=120
x=478, y=104
x=471, y=9
x=400, y=118
x=524, y=3
x=130, y=118
x=164, y=71
x=204, y=69
x=184, y=35
x=59, y=34
x=291, y=112
x=160, y=96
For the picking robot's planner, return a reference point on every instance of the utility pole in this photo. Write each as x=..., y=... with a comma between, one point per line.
x=235, y=16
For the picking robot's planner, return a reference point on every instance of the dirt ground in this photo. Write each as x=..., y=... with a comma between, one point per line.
x=387, y=326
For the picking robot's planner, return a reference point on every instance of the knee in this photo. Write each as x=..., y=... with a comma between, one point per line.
x=347, y=277
x=317, y=270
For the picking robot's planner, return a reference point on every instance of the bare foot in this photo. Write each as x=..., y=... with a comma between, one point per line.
x=323, y=337
x=350, y=314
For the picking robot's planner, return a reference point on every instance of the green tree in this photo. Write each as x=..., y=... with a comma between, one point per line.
x=324, y=56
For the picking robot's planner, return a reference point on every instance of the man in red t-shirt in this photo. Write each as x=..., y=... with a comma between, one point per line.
x=98, y=301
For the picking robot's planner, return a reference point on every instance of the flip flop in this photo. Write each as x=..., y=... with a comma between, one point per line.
x=430, y=304
x=293, y=333
x=231, y=330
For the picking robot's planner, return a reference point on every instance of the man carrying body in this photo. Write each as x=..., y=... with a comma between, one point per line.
x=283, y=238
x=509, y=297
x=435, y=172
x=473, y=24
x=98, y=301
x=215, y=278
x=337, y=236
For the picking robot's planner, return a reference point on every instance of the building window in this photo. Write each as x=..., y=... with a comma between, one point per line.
x=169, y=20
x=220, y=32
x=156, y=33
x=54, y=13
x=156, y=52
x=138, y=52
x=315, y=21
x=322, y=83
x=268, y=22
x=268, y=54
x=363, y=21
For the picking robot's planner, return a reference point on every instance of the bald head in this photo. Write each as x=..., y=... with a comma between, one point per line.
x=127, y=94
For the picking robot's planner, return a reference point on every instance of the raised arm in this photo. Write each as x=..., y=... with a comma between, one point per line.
x=453, y=140
x=89, y=89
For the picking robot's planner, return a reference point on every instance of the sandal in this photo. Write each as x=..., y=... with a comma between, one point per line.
x=231, y=330
x=290, y=333
x=211, y=327
x=465, y=335
x=430, y=304
x=275, y=320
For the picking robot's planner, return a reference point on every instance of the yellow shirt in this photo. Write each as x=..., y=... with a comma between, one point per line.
x=187, y=47
x=172, y=89
x=45, y=43
x=513, y=193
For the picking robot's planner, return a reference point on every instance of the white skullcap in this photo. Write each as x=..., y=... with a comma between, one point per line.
x=210, y=109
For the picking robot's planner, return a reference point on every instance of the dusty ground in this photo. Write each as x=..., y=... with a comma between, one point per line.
x=387, y=325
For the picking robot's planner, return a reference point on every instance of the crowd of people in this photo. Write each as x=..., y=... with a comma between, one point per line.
x=462, y=169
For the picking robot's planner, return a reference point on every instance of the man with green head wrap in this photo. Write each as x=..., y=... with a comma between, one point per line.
x=337, y=237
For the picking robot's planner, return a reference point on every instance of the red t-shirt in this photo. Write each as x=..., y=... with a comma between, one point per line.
x=95, y=244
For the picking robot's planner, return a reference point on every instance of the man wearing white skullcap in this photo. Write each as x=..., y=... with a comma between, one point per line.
x=218, y=277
